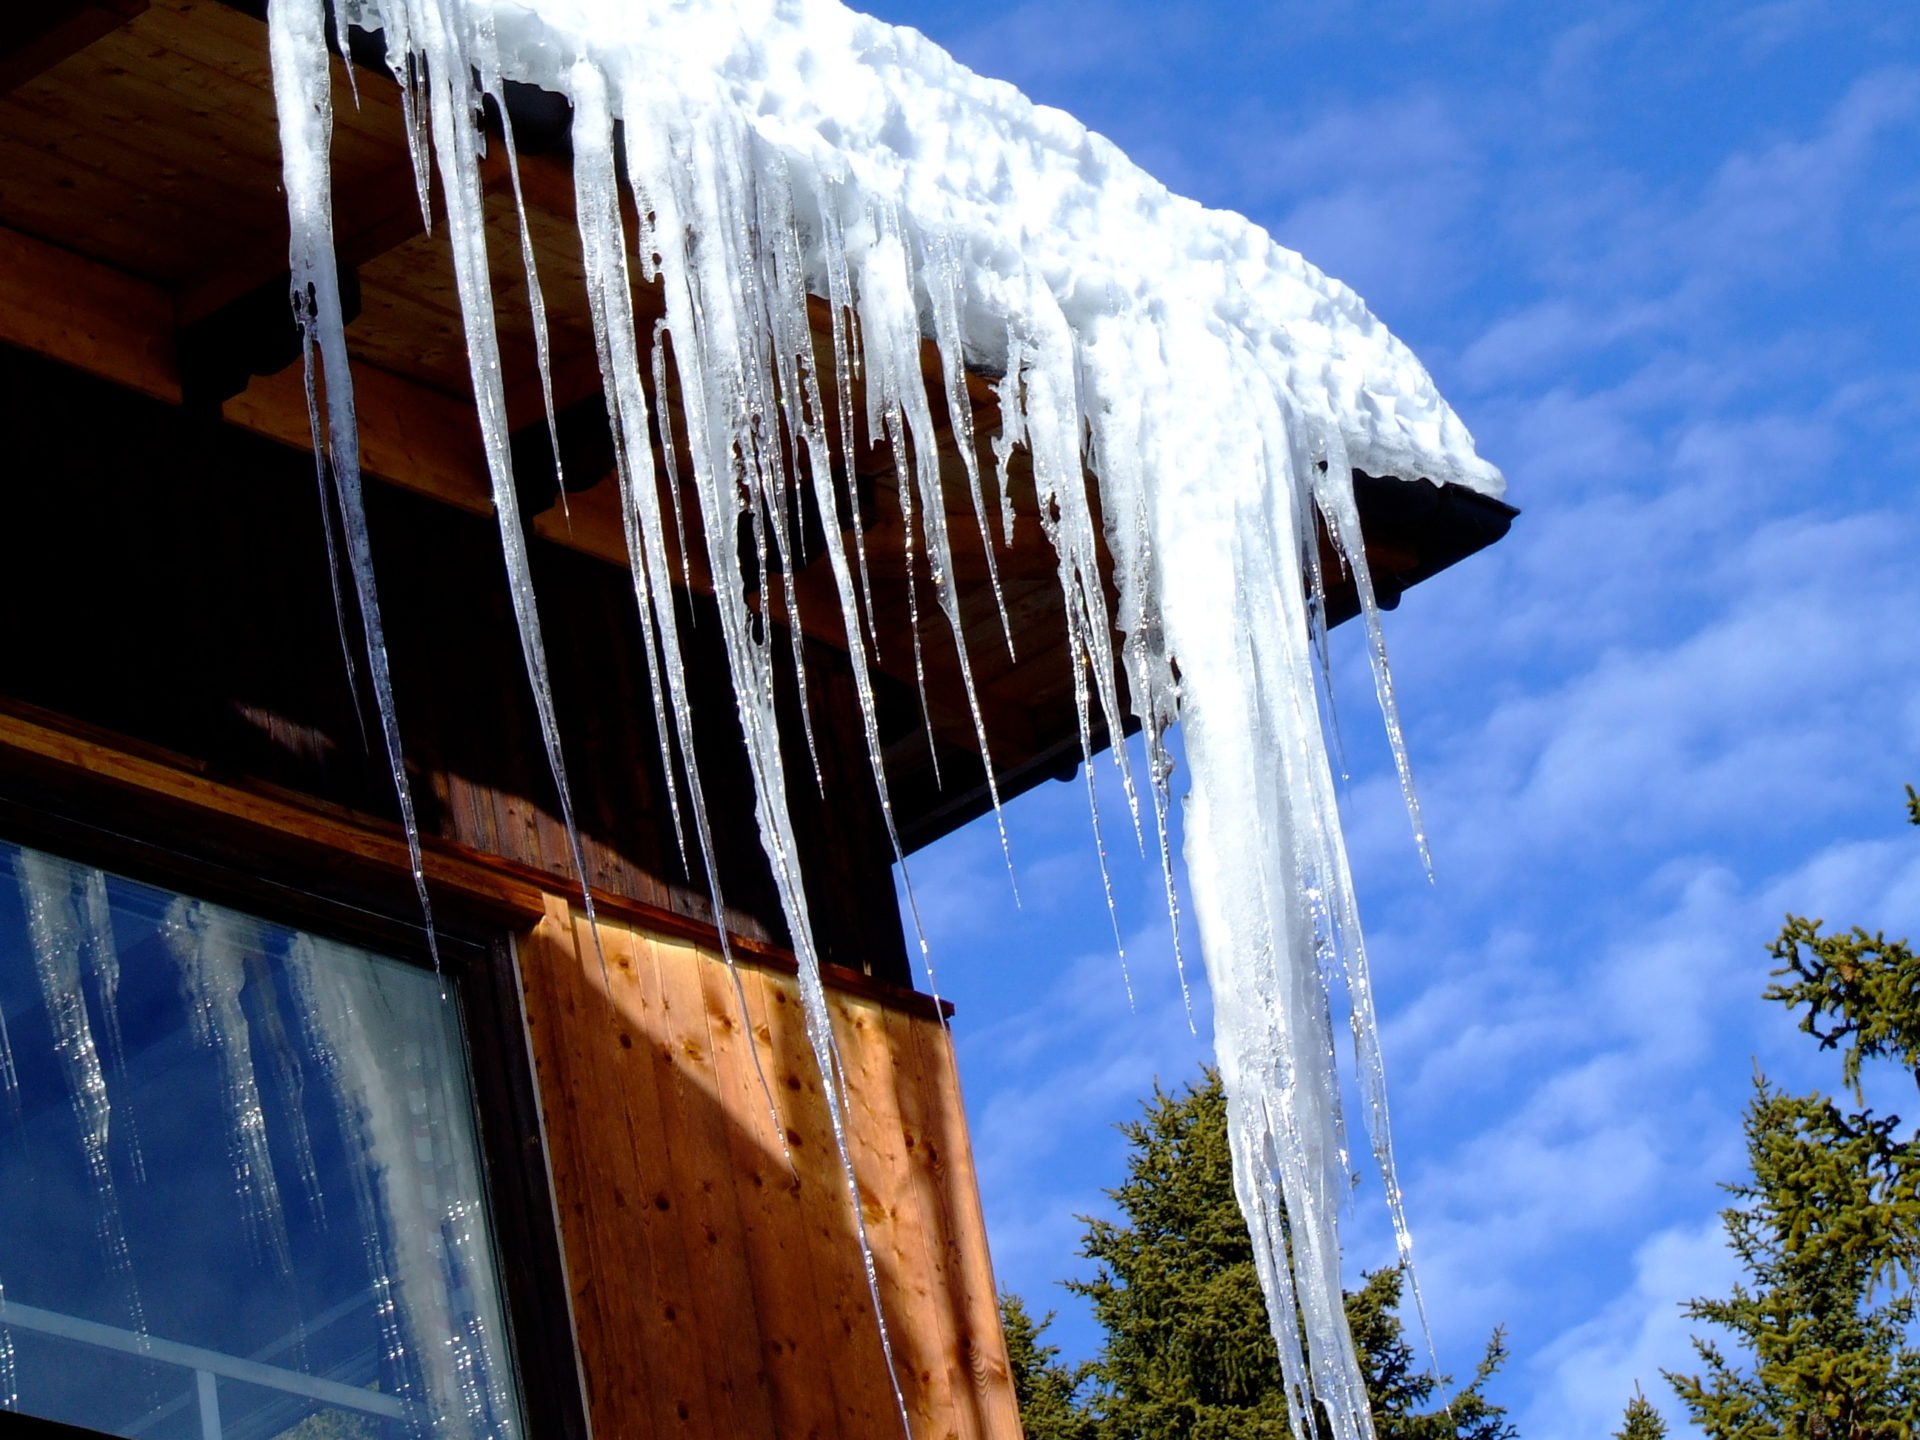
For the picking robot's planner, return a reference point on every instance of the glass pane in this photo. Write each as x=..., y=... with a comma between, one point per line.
x=240, y=1189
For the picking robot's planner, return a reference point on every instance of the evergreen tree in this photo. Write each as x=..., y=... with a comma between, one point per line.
x=1827, y=1229
x=1047, y=1389
x=1642, y=1421
x=1399, y=1390
x=1188, y=1353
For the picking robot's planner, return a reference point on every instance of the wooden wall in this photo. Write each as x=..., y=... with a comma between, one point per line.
x=716, y=1275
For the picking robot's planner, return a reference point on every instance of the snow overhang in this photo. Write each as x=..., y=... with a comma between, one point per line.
x=143, y=237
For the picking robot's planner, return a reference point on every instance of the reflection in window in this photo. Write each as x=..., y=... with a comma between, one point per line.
x=240, y=1192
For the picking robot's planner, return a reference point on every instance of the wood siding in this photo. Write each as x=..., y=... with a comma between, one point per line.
x=716, y=1269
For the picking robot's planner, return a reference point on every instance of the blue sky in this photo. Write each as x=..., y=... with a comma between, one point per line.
x=1662, y=259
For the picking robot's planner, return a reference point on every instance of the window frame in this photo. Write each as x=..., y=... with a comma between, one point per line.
x=477, y=956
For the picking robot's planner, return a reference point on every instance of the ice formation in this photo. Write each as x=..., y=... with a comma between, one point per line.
x=435, y=1294
x=63, y=926
x=211, y=945
x=1220, y=388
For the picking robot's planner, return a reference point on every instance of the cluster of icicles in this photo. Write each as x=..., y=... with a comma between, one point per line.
x=1219, y=388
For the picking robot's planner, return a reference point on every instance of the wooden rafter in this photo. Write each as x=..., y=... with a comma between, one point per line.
x=36, y=37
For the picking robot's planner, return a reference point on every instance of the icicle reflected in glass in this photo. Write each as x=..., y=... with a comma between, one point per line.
x=61, y=927
x=263, y=1059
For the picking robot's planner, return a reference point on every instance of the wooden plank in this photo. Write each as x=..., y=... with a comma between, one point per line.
x=931, y=1179
x=412, y=436
x=743, y=1308
x=634, y=1253
x=379, y=846
x=371, y=217
x=897, y=1219
x=706, y=1205
x=566, y=1035
x=215, y=58
x=220, y=140
x=57, y=304
x=797, y=1346
x=864, y=1396
x=36, y=38
x=947, y=1159
x=663, y=1313
x=174, y=210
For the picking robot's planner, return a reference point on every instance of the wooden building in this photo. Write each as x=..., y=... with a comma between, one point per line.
x=671, y=1238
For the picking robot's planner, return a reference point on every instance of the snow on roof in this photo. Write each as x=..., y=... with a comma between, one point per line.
x=1019, y=189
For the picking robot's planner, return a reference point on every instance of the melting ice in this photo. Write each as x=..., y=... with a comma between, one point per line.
x=1217, y=389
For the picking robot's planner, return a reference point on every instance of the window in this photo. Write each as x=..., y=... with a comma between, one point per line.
x=241, y=1190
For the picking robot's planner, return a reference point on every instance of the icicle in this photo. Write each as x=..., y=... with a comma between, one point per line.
x=9, y=1364
x=940, y=275
x=892, y=364
x=491, y=84
x=1106, y=883
x=211, y=946
x=1333, y=492
x=669, y=447
x=610, y=294
x=103, y=967
x=302, y=95
x=1009, y=392
x=322, y=475
x=693, y=184
x=453, y=108
x=846, y=365
x=798, y=386
x=59, y=934
x=337, y=21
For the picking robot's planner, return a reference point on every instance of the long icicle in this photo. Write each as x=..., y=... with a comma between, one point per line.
x=797, y=377
x=889, y=293
x=610, y=295
x=302, y=81
x=53, y=893
x=453, y=107
x=694, y=191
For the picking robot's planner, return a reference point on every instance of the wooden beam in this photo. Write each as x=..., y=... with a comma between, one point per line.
x=371, y=217
x=37, y=37
x=86, y=315
x=110, y=324
x=415, y=437
x=39, y=742
x=373, y=213
x=84, y=757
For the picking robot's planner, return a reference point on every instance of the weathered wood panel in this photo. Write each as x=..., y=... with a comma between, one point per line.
x=710, y=1235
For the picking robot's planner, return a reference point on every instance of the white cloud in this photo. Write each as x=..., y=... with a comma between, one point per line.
x=1580, y=1383
x=1785, y=205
